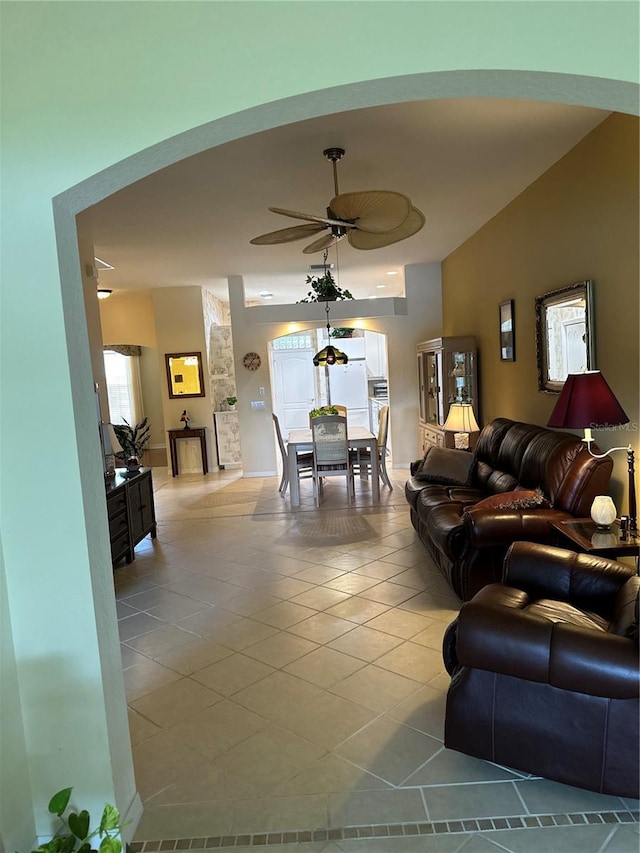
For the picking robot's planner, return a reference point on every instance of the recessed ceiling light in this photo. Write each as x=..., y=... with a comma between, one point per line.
x=380, y=286
x=392, y=272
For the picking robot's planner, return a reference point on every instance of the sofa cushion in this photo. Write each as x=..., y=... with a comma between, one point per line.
x=518, y=499
x=446, y=466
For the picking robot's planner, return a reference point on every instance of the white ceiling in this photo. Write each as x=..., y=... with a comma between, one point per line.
x=460, y=162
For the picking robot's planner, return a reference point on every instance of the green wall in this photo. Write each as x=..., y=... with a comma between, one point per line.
x=579, y=220
x=86, y=85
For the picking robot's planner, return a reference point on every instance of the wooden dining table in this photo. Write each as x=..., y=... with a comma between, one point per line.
x=358, y=438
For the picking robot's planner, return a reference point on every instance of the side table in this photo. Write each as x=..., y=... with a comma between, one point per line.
x=195, y=432
x=613, y=543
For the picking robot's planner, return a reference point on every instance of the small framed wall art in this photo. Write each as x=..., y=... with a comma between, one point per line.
x=507, y=331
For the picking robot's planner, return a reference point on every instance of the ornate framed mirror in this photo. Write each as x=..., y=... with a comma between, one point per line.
x=565, y=341
x=184, y=374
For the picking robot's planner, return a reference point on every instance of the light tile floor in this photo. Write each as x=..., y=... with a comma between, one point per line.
x=284, y=677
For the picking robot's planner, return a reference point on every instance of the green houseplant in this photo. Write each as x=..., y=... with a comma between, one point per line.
x=133, y=439
x=324, y=410
x=325, y=289
x=76, y=834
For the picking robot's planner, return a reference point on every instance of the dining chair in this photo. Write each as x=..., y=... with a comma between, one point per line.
x=331, y=456
x=361, y=458
x=304, y=461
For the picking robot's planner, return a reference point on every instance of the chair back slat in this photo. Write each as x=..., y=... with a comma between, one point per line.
x=330, y=445
x=383, y=428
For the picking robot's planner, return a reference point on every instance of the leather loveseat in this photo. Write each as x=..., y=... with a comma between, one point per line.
x=520, y=479
x=545, y=670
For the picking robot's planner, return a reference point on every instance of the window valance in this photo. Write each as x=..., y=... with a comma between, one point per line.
x=124, y=349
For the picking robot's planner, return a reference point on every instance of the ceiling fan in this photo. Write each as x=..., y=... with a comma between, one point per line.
x=368, y=219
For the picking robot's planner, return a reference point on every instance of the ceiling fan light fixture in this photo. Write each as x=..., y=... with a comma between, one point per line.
x=369, y=219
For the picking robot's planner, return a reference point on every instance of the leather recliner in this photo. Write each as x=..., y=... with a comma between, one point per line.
x=545, y=670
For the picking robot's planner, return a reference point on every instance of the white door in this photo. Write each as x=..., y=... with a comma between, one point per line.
x=293, y=388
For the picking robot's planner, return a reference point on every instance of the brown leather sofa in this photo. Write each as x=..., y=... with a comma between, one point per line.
x=469, y=543
x=545, y=670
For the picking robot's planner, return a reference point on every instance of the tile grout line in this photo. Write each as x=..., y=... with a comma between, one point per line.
x=443, y=827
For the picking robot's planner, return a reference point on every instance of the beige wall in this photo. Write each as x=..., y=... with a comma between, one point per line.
x=579, y=220
x=127, y=318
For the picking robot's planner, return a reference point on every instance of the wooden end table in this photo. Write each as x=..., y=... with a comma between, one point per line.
x=583, y=533
x=193, y=432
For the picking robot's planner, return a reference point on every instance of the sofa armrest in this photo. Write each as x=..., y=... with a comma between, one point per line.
x=501, y=637
x=490, y=527
x=548, y=572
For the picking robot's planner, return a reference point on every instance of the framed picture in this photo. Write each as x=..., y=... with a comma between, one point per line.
x=507, y=331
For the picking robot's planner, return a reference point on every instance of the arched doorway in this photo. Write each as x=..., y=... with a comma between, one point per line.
x=91, y=191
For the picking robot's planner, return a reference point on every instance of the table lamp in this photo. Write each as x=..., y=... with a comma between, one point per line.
x=587, y=402
x=461, y=421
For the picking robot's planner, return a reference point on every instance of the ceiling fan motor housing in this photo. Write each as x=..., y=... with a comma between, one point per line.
x=334, y=154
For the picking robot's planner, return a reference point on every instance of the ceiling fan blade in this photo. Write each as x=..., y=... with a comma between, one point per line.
x=365, y=240
x=310, y=217
x=287, y=235
x=375, y=211
x=322, y=243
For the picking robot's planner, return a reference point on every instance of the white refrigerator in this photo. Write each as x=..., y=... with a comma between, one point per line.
x=348, y=387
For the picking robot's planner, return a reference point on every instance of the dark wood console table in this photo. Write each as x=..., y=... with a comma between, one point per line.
x=195, y=432
x=131, y=512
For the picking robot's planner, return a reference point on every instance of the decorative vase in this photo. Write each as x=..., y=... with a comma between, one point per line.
x=603, y=511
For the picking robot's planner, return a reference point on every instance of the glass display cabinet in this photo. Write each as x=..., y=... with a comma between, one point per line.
x=447, y=373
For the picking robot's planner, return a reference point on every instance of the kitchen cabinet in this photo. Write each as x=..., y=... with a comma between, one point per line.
x=447, y=373
x=376, y=354
x=375, y=405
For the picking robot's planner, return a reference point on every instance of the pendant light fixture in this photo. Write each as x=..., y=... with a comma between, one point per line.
x=329, y=355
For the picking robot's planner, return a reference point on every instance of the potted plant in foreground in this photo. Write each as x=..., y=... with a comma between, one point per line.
x=76, y=834
x=325, y=289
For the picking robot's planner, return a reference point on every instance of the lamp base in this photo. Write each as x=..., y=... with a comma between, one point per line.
x=461, y=440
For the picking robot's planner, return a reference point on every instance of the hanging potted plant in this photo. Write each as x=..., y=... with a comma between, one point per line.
x=325, y=289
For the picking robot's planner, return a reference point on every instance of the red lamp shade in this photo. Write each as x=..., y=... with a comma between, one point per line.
x=586, y=401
